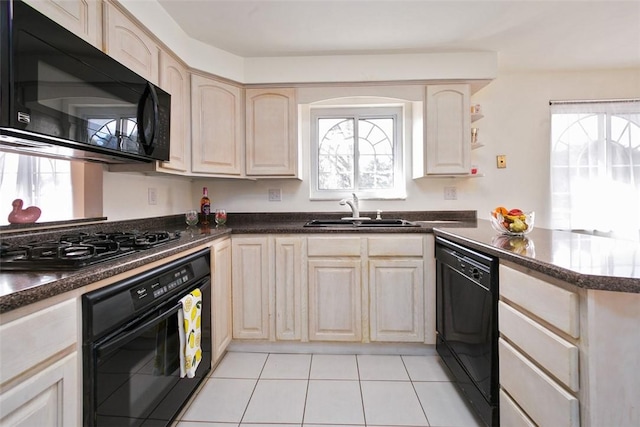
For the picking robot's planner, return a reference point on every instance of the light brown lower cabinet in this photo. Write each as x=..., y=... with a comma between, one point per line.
x=221, y=298
x=346, y=288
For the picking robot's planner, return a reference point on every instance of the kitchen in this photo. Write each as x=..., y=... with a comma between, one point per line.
x=515, y=106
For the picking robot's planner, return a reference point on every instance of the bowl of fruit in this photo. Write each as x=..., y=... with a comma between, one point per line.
x=513, y=222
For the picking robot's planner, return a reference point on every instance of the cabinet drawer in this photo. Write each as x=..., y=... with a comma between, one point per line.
x=556, y=355
x=30, y=340
x=550, y=303
x=546, y=403
x=396, y=246
x=333, y=246
x=511, y=415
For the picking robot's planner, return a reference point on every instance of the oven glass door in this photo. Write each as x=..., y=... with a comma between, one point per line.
x=465, y=324
x=137, y=369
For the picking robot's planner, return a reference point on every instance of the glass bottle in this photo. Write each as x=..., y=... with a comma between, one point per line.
x=205, y=206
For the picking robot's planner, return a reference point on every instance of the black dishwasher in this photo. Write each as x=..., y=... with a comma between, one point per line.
x=467, y=323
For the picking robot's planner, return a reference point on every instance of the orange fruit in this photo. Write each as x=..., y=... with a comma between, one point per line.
x=500, y=210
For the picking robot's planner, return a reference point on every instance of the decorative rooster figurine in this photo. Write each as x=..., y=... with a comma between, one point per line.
x=23, y=216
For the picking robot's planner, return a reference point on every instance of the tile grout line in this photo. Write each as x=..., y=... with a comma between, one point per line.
x=364, y=413
x=415, y=391
x=254, y=390
x=306, y=394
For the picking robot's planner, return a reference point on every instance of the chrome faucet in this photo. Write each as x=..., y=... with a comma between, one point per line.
x=353, y=204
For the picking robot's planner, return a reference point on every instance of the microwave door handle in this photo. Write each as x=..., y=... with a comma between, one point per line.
x=147, y=141
x=130, y=335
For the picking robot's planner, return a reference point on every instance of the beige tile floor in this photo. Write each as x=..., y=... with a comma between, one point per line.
x=313, y=390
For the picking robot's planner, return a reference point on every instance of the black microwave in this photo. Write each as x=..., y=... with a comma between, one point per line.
x=62, y=97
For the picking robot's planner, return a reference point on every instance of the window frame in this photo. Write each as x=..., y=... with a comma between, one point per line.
x=567, y=208
x=394, y=111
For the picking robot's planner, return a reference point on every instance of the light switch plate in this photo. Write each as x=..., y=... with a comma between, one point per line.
x=152, y=196
x=450, y=193
x=501, y=161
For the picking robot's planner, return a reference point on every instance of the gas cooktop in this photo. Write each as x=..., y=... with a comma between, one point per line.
x=76, y=250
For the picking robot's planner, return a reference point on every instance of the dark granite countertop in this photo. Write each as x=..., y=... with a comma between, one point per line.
x=583, y=260
x=586, y=261
x=18, y=289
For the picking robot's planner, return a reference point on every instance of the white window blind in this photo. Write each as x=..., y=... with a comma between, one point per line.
x=595, y=166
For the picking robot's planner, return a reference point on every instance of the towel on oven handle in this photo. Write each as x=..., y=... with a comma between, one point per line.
x=190, y=332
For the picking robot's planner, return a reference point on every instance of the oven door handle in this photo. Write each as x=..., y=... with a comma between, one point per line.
x=111, y=345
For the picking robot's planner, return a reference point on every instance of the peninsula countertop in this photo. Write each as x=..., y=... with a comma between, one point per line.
x=586, y=261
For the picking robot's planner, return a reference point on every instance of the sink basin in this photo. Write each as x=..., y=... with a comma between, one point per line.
x=439, y=221
x=357, y=223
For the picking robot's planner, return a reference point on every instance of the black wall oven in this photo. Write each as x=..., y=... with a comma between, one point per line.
x=62, y=97
x=131, y=374
x=467, y=323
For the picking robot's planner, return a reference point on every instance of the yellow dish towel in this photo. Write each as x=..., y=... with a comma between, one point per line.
x=190, y=332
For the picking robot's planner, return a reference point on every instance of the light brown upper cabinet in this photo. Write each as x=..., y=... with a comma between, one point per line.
x=174, y=79
x=271, y=132
x=130, y=44
x=81, y=17
x=447, y=130
x=217, y=127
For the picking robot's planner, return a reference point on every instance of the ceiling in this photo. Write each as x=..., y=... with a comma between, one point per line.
x=538, y=34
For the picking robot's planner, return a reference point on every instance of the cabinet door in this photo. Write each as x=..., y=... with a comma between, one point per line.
x=397, y=303
x=48, y=398
x=335, y=312
x=174, y=78
x=216, y=114
x=272, y=139
x=448, y=129
x=288, y=259
x=250, y=273
x=221, y=296
x=130, y=44
x=81, y=17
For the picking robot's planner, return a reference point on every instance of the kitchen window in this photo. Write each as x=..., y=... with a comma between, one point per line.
x=357, y=150
x=38, y=181
x=63, y=190
x=595, y=167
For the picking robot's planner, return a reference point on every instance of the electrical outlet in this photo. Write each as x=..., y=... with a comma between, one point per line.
x=501, y=161
x=275, y=195
x=450, y=193
x=152, y=196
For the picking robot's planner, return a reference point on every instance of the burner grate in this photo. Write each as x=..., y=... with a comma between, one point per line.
x=76, y=250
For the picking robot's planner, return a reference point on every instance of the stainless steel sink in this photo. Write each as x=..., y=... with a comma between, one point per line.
x=438, y=221
x=360, y=223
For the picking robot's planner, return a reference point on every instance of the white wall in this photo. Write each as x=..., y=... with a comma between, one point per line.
x=125, y=195
x=516, y=123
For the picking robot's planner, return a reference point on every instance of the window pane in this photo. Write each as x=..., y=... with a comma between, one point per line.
x=354, y=149
x=595, y=161
x=41, y=182
x=336, y=154
x=375, y=146
x=376, y=172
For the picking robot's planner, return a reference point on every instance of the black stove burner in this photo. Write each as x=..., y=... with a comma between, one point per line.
x=77, y=250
